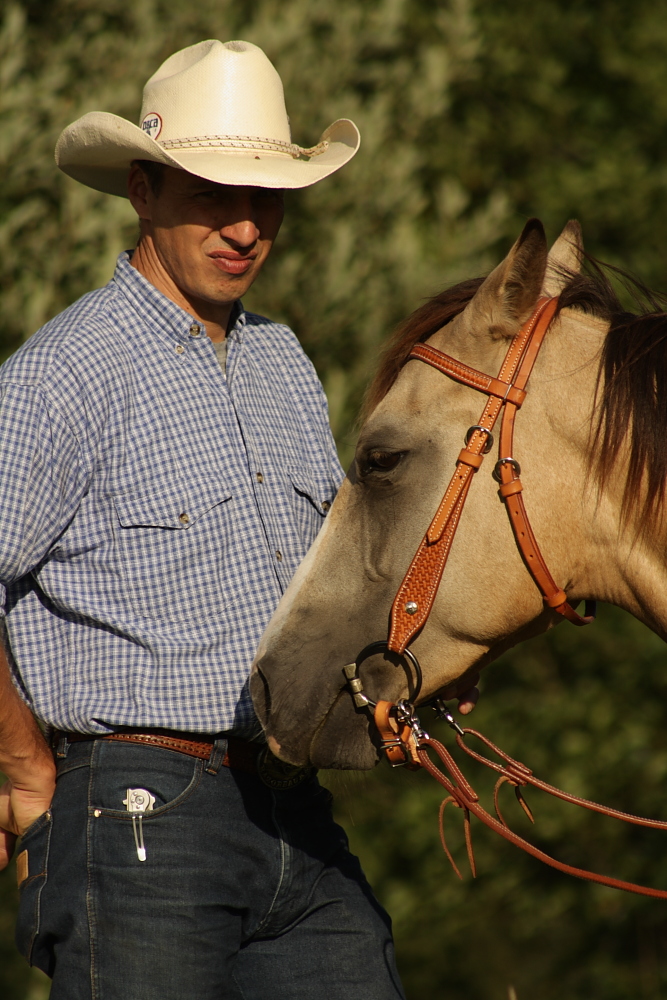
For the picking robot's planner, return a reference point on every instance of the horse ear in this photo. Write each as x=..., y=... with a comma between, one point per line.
x=564, y=260
x=508, y=296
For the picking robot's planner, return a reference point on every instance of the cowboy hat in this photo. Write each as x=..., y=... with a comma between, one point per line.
x=214, y=109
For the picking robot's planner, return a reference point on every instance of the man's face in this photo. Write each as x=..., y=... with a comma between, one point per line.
x=211, y=239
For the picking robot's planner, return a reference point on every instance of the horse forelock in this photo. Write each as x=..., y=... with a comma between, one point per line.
x=419, y=326
x=630, y=420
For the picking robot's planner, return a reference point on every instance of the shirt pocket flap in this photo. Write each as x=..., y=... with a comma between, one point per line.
x=318, y=488
x=174, y=507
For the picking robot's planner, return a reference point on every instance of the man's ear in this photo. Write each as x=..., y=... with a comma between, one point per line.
x=138, y=189
x=508, y=296
x=564, y=260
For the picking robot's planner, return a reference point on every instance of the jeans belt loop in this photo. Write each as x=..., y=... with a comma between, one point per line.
x=214, y=763
x=62, y=746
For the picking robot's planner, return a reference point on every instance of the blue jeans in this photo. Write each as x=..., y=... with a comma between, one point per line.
x=246, y=892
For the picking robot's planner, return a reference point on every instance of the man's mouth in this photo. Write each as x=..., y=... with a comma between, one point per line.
x=231, y=262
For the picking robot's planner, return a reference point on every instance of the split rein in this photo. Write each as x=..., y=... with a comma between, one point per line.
x=403, y=740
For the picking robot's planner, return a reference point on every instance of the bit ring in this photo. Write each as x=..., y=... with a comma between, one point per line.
x=355, y=684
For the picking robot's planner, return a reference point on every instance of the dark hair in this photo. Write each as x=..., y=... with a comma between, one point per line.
x=154, y=174
x=631, y=397
x=419, y=326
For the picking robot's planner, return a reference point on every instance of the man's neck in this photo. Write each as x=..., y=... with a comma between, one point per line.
x=214, y=316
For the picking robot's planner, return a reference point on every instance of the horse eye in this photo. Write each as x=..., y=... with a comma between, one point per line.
x=382, y=461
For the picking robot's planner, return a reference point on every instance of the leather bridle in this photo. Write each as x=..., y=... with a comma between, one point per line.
x=414, y=600
x=402, y=738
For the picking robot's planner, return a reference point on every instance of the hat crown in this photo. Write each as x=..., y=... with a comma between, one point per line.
x=215, y=89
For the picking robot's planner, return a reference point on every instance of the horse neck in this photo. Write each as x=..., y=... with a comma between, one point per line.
x=622, y=565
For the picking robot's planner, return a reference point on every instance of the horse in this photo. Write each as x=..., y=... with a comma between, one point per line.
x=590, y=442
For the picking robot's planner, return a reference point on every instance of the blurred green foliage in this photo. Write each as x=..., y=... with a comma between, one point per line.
x=475, y=114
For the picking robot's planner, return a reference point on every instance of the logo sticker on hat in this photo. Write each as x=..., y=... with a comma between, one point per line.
x=152, y=124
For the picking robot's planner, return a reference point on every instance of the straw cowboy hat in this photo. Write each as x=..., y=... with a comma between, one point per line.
x=214, y=109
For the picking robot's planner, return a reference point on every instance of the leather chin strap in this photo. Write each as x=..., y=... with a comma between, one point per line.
x=405, y=743
x=414, y=600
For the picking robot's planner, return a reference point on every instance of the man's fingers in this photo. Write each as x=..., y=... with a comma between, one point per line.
x=7, y=844
x=20, y=807
x=6, y=817
x=468, y=700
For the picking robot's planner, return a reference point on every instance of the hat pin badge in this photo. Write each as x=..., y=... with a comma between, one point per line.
x=152, y=124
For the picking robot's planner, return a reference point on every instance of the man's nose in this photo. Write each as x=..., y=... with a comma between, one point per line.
x=243, y=233
x=241, y=227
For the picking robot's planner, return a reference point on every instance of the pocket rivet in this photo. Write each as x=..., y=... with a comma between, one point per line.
x=97, y=813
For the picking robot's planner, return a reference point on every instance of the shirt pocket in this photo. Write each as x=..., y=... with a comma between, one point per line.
x=172, y=545
x=312, y=494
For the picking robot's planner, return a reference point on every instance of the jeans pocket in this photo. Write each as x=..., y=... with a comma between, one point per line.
x=119, y=769
x=31, y=866
x=137, y=792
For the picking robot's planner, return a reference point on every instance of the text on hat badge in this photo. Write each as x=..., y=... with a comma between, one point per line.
x=152, y=124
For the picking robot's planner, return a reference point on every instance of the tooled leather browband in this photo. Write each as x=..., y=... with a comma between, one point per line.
x=414, y=600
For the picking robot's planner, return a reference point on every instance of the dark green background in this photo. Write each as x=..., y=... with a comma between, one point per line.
x=474, y=116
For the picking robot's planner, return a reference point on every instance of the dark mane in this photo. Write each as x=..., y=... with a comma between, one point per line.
x=631, y=397
x=419, y=326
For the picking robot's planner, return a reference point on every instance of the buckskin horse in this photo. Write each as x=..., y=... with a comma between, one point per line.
x=581, y=469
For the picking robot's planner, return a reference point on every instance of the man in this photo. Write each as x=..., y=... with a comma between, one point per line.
x=166, y=462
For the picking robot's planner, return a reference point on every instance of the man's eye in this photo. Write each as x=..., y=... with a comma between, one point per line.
x=264, y=196
x=382, y=461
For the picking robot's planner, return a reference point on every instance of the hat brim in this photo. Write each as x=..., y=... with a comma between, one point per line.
x=98, y=149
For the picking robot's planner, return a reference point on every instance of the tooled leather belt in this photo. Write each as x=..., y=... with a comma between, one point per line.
x=253, y=758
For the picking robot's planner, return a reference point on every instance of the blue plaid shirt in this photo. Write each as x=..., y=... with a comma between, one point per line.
x=153, y=508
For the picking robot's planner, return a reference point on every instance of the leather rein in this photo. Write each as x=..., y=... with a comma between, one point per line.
x=403, y=739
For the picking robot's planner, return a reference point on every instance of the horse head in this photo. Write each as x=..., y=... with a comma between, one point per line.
x=341, y=596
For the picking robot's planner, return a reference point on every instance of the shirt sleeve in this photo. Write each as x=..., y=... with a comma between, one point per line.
x=41, y=480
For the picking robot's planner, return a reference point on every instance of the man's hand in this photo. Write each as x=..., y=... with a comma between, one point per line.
x=25, y=761
x=468, y=699
x=21, y=803
x=466, y=690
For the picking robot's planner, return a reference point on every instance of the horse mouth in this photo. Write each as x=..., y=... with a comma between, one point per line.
x=346, y=739
x=343, y=738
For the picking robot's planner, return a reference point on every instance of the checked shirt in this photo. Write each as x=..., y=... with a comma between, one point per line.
x=153, y=508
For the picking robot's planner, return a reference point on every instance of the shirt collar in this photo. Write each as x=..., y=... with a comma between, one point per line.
x=160, y=313
x=237, y=320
